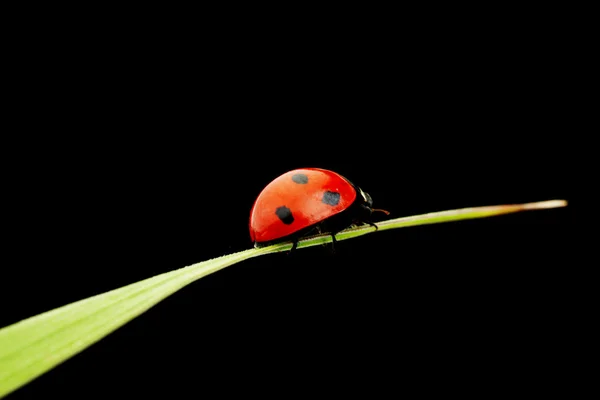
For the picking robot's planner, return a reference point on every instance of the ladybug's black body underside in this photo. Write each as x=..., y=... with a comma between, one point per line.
x=358, y=213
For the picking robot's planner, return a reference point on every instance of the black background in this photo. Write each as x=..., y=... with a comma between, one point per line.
x=151, y=148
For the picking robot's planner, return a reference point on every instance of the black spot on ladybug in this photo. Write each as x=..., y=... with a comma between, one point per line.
x=285, y=215
x=331, y=198
x=300, y=179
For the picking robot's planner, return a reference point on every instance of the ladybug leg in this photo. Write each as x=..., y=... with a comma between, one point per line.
x=366, y=216
x=367, y=222
x=333, y=243
x=294, y=246
x=372, y=224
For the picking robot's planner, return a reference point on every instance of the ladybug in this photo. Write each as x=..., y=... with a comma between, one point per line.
x=307, y=201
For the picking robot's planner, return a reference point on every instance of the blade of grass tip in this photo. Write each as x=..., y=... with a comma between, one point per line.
x=35, y=345
x=469, y=213
x=441, y=217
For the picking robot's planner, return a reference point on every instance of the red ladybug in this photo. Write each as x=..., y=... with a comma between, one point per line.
x=307, y=201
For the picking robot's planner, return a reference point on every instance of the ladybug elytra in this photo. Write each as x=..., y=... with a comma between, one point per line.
x=306, y=201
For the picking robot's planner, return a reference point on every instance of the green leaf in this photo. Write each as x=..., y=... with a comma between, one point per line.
x=35, y=345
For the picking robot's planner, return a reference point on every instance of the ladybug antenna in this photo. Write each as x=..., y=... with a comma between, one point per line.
x=380, y=210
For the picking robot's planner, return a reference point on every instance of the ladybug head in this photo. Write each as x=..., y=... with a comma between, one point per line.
x=367, y=202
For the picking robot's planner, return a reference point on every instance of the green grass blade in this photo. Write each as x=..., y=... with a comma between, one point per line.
x=35, y=345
